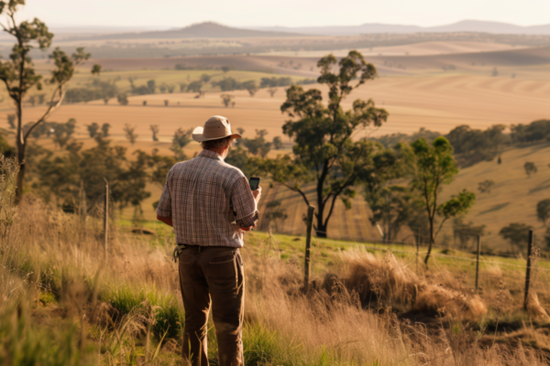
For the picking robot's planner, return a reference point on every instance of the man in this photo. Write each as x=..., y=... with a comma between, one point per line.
x=210, y=205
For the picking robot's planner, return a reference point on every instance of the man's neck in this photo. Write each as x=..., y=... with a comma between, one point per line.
x=221, y=152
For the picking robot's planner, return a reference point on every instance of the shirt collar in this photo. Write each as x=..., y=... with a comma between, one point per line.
x=210, y=154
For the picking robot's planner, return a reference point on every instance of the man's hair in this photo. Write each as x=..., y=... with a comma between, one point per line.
x=216, y=144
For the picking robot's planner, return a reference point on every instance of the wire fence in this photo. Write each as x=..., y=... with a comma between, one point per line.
x=484, y=272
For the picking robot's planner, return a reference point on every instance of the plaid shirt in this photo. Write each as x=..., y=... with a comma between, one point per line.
x=208, y=201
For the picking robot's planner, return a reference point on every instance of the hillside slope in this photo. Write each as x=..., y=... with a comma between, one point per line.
x=514, y=197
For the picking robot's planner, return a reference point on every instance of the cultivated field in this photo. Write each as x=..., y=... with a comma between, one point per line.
x=414, y=89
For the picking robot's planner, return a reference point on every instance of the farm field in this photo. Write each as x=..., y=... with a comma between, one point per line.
x=422, y=95
x=436, y=102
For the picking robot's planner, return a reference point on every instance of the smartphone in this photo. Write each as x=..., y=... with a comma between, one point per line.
x=254, y=183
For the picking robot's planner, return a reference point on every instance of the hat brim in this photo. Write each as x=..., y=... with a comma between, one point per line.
x=199, y=137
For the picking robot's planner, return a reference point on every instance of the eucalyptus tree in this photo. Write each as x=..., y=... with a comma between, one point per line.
x=434, y=166
x=19, y=76
x=326, y=151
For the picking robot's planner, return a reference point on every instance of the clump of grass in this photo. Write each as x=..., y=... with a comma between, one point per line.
x=46, y=298
x=167, y=314
x=385, y=282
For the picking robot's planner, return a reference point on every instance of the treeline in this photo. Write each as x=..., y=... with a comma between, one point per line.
x=96, y=89
x=64, y=175
x=105, y=90
x=472, y=145
x=364, y=41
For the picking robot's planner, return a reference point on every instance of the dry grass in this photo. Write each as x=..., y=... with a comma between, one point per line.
x=112, y=311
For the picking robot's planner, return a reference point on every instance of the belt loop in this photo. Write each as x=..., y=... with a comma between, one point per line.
x=200, y=249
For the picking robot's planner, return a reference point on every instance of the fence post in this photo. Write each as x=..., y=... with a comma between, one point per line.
x=528, y=271
x=477, y=260
x=106, y=218
x=310, y=211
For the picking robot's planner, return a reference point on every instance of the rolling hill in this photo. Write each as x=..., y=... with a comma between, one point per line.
x=368, y=28
x=201, y=30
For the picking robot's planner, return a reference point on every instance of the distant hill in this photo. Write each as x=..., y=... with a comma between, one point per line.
x=202, y=30
x=462, y=26
x=519, y=57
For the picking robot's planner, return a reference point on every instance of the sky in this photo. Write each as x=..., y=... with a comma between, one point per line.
x=291, y=13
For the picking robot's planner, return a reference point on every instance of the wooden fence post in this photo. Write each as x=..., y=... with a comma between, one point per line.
x=528, y=271
x=477, y=261
x=310, y=211
x=106, y=218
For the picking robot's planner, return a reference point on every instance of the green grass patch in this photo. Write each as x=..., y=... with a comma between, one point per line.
x=168, y=315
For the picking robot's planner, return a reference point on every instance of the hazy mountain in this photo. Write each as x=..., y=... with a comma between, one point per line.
x=215, y=30
x=202, y=30
x=462, y=26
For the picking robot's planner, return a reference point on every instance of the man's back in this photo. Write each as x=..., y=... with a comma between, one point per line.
x=208, y=200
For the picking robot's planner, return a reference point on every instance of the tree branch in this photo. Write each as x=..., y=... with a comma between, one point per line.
x=296, y=190
x=51, y=108
x=440, y=227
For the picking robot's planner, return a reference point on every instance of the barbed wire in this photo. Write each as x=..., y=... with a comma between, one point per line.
x=364, y=242
x=444, y=256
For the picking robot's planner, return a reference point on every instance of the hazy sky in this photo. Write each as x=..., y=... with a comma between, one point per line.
x=178, y=13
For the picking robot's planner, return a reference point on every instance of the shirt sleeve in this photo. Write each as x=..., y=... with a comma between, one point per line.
x=164, y=208
x=244, y=204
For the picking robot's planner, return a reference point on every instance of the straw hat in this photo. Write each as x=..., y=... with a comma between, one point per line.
x=217, y=127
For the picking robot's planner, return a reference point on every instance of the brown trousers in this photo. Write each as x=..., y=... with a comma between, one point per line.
x=212, y=275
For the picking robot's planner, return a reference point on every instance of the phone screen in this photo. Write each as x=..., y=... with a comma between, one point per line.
x=254, y=183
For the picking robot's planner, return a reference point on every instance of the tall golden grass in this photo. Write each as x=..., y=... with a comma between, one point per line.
x=57, y=289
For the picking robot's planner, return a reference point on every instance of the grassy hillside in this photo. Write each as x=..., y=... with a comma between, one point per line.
x=515, y=195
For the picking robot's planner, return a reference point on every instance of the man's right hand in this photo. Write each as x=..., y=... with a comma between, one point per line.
x=257, y=194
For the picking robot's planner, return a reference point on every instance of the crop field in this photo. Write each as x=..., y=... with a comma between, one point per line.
x=412, y=88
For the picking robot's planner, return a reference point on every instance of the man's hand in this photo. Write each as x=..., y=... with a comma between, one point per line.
x=257, y=194
x=245, y=229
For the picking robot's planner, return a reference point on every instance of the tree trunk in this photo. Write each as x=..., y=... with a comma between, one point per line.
x=21, y=173
x=432, y=241
x=321, y=230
